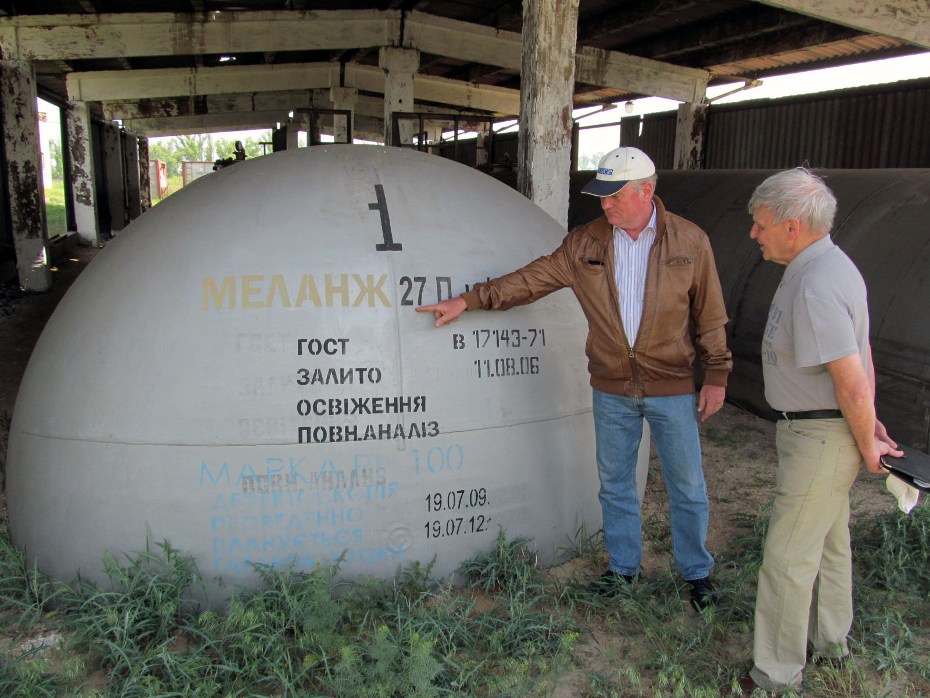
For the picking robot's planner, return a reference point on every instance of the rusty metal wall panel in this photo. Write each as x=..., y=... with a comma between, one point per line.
x=872, y=127
x=113, y=170
x=875, y=127
x=656, y=138
x=131, y=182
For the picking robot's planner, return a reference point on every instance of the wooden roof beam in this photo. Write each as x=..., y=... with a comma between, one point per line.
x=104, y=86
x=69, y=37
x=904, y=19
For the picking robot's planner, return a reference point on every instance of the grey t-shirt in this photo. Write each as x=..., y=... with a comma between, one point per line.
x=819, y=313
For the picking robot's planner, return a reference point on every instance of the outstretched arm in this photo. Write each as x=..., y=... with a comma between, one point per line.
x=445, y=311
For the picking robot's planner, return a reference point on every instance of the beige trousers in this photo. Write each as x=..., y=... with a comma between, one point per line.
x=805, y=583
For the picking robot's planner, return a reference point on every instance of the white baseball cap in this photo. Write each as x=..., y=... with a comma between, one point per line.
x=618, y=167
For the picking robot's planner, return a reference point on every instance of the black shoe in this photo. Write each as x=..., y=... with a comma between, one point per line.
x=703, y=593
x=610, y=582
x=819, y=660
x=824, y=660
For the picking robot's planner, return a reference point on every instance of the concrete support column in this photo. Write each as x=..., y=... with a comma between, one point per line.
x=399, y=66
x=689, y=136
x=548, y=81
x=432, y=134
x=293, y=135
x=145, y=184
x=310, y=123
x=343, y=98
x=20, y=128
x=482, y=146
x=81, y=154
x=313, y=122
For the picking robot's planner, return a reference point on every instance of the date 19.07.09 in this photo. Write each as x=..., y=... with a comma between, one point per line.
x=457, y=499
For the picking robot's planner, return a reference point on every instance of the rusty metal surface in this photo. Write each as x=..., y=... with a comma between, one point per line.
x=656, y=137
x=870, y=127
x=875, y=127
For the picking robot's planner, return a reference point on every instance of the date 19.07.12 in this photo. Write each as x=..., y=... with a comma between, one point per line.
x=460, y=526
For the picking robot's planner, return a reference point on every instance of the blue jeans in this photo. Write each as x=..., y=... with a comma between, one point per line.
x=618, y=428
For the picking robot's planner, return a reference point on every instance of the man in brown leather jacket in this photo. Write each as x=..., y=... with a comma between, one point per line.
x=642, y=276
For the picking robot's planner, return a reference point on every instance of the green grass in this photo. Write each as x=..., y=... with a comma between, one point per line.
x=513, y=631
x=293, y=637
x=55, y=209
x=174, y=184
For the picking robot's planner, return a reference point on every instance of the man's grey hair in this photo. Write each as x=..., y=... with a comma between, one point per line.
x=797, y=193
x=638, y=183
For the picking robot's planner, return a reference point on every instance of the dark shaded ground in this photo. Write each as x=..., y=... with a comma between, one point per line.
x=23, y=316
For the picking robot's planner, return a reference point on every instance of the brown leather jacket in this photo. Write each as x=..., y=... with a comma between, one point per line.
x=681, y=285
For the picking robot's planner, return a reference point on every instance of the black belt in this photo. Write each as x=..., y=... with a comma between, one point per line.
x=811, y=414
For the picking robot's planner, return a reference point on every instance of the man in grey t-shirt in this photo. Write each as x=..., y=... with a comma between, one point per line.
x=817, y=366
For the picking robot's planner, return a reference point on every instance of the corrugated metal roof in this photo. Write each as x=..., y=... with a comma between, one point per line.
x=865, y=46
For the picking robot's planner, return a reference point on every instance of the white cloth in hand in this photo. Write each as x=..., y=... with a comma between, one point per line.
x=906, y=495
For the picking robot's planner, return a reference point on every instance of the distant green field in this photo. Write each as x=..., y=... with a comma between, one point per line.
x=55, y=209
x=174, y=184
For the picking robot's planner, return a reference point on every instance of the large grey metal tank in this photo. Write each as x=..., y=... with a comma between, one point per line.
x=242, y=373
x=883, y=224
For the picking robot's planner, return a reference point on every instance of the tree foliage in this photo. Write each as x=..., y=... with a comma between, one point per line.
x=56, y=159
x=201, y=148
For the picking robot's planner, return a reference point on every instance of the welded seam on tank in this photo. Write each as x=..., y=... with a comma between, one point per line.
x=568, y=415
x=398, y=339
x=112, y=442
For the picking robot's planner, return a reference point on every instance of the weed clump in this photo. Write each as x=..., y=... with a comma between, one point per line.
x=508, y=628
x=891, y=562
x=301, y=633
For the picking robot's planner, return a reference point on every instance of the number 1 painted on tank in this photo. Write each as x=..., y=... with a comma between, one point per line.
x=381, y=206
